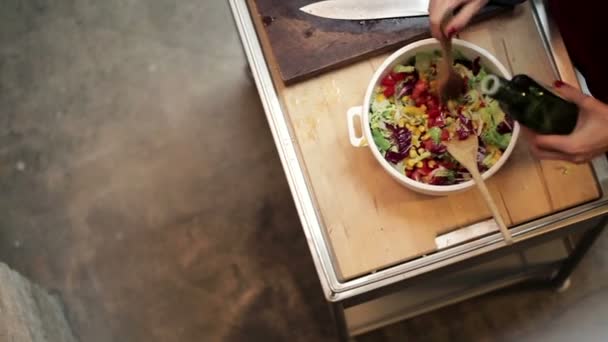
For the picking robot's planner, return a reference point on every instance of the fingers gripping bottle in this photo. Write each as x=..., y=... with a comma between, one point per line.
x=531, y=104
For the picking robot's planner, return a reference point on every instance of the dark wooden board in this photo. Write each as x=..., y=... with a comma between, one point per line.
x=304, y=45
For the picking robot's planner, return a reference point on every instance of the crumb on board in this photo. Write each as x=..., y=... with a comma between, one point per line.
x=564, y=169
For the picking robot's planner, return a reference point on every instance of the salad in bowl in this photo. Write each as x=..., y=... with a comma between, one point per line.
x=406, y=125
x=410, y=125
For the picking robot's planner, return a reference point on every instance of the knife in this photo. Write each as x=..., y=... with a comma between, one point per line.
x=378, y=9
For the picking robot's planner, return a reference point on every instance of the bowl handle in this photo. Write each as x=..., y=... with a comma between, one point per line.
x=351, y=114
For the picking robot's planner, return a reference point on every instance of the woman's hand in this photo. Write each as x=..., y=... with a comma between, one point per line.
x=588, y=140
x=439, y=8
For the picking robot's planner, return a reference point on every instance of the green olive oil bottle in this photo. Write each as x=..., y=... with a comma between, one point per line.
x=531, y=104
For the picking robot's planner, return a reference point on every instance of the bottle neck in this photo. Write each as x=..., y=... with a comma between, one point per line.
x=500, y=89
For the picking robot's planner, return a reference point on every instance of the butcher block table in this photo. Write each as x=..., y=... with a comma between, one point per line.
x=377, y=245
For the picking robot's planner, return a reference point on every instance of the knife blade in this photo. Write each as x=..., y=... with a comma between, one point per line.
x=367, y=9
x=381, y=9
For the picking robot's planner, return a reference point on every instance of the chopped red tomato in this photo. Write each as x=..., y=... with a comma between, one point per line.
x=432, y=103
x=388, y=81
x=439, y=121
x=425, y=170
x=430, y=146
x=389, y=91
x=392, y=79
x=416, y=175
x=445, y=135
x=397, y=77
x=436, y=121
x=419, y=89
x=433, y=113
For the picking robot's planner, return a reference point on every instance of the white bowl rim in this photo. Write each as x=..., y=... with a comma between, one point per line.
x=428, y=188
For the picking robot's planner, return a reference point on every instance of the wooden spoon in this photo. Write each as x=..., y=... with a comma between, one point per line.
x=449, y=83
x=465, y=152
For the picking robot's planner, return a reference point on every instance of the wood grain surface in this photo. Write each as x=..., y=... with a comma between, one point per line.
x=305, y=45
x=370, y=220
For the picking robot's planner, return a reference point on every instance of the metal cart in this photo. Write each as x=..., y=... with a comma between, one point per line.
x=470, y=261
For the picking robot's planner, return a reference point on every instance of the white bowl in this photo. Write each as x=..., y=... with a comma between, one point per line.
x=470, y=51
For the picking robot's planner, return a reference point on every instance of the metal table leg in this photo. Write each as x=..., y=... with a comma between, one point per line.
x=337, y=312
x=581, y=249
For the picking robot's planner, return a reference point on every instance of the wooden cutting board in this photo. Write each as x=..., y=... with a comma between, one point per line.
x=370, y=220
x=305, y=45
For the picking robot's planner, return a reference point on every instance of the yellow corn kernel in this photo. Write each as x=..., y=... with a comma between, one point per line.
x=423, y=108
x=421, y=128
x=411, y=163
x=413, y=110
x=415, y=141
x=402, y=122
x=410, y=127
x=426, y=137
x=421, y=151
x=413, y=153
x=380, y=97
x=432, y=163
x=497, y=156
x=407, y=167
x=449, y=120
x=405, y=99
x=419, y=164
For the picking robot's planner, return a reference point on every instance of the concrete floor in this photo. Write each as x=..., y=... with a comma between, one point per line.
x=141, y=184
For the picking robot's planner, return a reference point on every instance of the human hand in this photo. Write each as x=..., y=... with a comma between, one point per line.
x=438, y=9
x=588, y=140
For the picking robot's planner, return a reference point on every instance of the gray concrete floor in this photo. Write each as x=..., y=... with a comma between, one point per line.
x=140, y=183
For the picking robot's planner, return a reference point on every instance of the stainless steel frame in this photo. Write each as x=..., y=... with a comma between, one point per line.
x=337, y=290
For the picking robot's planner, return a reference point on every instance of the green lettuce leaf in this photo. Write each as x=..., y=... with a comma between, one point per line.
x=492, y=115
x=404, y=69
x=381, y=141
x=492, y=137
x=423, y=62
x=435, y=134
x=381, y=111
x=445, y=173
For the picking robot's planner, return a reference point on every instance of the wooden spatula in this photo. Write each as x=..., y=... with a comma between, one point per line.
x=465, y=152
x=449, y=83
